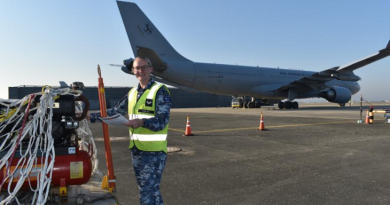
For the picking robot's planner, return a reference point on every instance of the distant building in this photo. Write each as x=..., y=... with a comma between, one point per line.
x=180, y=98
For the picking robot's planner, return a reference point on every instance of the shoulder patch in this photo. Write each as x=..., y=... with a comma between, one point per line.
x=149, y=102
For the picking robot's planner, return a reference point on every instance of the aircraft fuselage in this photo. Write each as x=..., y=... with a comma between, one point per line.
x=237, y=80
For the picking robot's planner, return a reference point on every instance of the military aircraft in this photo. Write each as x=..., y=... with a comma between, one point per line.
x=263, y=85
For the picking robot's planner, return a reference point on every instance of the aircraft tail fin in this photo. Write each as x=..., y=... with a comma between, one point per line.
x=143, y=34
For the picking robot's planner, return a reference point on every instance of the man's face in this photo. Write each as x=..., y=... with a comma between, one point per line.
x=142, y=70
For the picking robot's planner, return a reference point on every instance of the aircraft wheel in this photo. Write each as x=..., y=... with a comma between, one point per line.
x=245, y=105
x=295, y=105
x=258, y=105
x=251, y=105
x=288, y=105
x=281, y=105
x=342, y=104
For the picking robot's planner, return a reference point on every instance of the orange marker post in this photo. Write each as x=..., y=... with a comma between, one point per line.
x=107, y=142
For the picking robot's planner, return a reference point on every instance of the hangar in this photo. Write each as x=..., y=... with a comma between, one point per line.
x=180, y=98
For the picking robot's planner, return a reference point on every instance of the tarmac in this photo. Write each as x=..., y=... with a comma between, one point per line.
x=317, y=154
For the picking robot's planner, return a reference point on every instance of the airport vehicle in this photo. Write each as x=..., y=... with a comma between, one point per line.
x=237, y=103
x=269, y=85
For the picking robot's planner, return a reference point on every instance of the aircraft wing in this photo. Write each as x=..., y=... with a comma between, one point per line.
x=313, y=81
x=367, y=60
x=317, y=80
x=185, y=88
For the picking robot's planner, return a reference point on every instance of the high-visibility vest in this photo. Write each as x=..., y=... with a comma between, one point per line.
x=145, y=108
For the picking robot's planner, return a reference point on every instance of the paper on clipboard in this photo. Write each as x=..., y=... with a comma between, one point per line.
x=117, y=119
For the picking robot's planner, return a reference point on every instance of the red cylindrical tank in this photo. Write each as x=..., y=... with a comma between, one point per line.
x=76, y=169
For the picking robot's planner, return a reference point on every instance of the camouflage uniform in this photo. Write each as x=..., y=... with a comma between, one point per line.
x=148, y=166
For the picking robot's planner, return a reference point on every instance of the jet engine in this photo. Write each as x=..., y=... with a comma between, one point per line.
x=128, y=65
x=337, y=94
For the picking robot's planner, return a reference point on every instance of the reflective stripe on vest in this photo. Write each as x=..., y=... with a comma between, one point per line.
x=145, y=108
x=141, y=137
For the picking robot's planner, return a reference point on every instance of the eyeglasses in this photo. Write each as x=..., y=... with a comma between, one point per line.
x=138, y=68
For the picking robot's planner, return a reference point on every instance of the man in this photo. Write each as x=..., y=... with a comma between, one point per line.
x=148, y=106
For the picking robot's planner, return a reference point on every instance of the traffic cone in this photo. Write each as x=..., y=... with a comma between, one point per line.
x=367, y=121
x=261, y=126
x=188, y=128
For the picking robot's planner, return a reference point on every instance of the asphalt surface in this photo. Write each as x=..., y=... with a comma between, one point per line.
x=314, y=155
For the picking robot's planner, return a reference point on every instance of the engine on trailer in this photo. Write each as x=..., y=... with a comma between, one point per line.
x=43, y=143
x=65, y=121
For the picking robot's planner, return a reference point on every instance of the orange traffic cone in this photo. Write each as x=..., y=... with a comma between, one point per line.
x=367, y=118
x=188, y=128
x=261, y=126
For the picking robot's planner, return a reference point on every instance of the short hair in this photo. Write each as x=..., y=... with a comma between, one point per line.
x=145, y=59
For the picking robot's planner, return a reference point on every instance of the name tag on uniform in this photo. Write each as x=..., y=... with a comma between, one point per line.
x=146, y=111
x=149, y=102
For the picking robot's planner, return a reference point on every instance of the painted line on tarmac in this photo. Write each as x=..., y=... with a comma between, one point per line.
x=176, y=130
x=255, y=128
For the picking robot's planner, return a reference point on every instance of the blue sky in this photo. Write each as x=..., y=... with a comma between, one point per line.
x=45, y=41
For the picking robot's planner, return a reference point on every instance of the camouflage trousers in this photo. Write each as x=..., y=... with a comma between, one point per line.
x=148, y=168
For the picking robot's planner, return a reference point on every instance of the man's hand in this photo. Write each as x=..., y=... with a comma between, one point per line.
x=136, y=123
x=88, y=116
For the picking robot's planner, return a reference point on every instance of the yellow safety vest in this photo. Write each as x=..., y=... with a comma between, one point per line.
x=143, y=138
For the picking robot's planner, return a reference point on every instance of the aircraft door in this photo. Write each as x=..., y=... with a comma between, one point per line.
x=198, y=72
x=261, y=77
x=198, y=80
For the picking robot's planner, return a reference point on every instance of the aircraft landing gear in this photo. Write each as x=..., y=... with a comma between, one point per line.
x=252, y=104
x=288, y=105
x=281, y=105
x=295, y=105
x=341, y=104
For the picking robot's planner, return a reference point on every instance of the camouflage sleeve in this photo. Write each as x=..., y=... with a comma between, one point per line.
x=163, y=107
x=120, y=108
